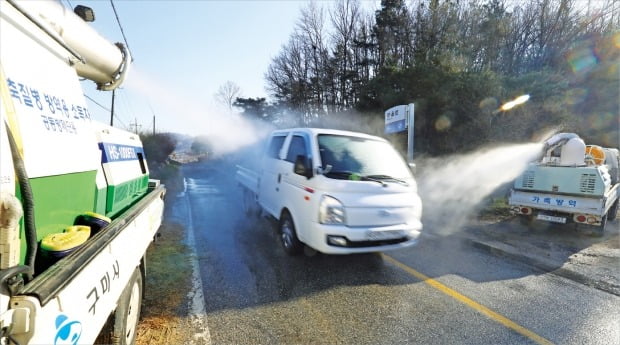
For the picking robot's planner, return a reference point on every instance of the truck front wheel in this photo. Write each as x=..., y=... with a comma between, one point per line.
x=288, y=235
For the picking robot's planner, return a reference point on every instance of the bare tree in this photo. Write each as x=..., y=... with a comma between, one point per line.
x=344, y=16
x=297, y=76
x=309, y=30
x=227, y=94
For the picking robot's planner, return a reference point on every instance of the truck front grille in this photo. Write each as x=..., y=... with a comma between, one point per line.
x=587, y=183
x=528, y=179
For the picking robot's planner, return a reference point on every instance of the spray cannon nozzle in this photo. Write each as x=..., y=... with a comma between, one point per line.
x=120, y=74
x=564, y=149
x=557, y=140
x=99, y=60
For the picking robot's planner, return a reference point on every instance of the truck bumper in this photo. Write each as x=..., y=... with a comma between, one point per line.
x=557, y=208
x=339, y=239
x=557, y=217
x=569, y=204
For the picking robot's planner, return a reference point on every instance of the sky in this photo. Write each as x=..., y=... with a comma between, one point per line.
x=184, y=51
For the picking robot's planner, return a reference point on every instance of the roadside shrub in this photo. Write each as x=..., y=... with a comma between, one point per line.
x=157, y=147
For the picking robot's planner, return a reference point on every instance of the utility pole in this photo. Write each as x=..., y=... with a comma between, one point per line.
x=153, y=112
x=135, y=125
x=112, y=109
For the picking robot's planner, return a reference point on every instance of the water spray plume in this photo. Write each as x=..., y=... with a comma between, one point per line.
x=452, y=188
x=227, y=132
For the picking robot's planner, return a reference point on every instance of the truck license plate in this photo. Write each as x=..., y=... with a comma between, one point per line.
x=384, y=235
x=553, y=219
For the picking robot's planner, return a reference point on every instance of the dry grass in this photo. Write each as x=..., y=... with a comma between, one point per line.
x=162, y=330
x=168, y=279
x=495, y=209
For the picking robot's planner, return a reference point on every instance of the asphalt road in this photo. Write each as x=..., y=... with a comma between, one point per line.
x=442, y=291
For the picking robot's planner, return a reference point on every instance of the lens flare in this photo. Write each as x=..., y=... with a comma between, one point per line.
x=582, y=60
x=443, y=123
x=576, y=95
x=489, y=103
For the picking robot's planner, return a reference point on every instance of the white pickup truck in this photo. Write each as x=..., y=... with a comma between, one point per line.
x=335, y=192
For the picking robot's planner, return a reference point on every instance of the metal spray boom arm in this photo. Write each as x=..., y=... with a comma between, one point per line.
x=97, y=59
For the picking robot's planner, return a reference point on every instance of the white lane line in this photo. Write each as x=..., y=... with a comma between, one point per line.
x=197, y=310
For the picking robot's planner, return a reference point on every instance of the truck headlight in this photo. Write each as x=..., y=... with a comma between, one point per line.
x=331, y=211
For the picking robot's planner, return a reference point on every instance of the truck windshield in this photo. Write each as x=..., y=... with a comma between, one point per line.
x=347, y=157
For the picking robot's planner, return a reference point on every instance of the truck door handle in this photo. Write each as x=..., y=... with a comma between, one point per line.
x=279, y=177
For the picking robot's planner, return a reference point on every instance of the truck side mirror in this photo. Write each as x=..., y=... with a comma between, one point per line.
x=303, y=167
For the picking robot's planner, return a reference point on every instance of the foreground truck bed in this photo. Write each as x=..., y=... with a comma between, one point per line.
x=80, y=292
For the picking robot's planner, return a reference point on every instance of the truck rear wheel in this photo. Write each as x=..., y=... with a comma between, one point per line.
x=613, y=211
x=123, y=323
x=594, y=230
x=250, y=206
x=288, y=235
x=526, y=220
x=600, y=230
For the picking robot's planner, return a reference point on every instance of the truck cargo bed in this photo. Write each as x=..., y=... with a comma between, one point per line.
x=247, y=178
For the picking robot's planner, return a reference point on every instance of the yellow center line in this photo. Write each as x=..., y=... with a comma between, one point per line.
x=469, y=302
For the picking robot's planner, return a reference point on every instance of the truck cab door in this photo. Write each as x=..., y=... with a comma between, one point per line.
x=296, y=187
x=271, y=175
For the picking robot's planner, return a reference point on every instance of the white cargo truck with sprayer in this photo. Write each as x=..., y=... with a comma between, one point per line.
x=77, y=207
x=334, y=192
x=572, y=183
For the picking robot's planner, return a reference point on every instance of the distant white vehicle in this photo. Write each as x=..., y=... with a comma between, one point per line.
x=336, y=192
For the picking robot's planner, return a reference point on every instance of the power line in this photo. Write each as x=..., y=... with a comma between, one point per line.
x=97, y=103
x=115, y=115
x=121, y=27
x=121, y=121
x=106, y=109
x=126, y=103
x=135, y=126
x=126, y=44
